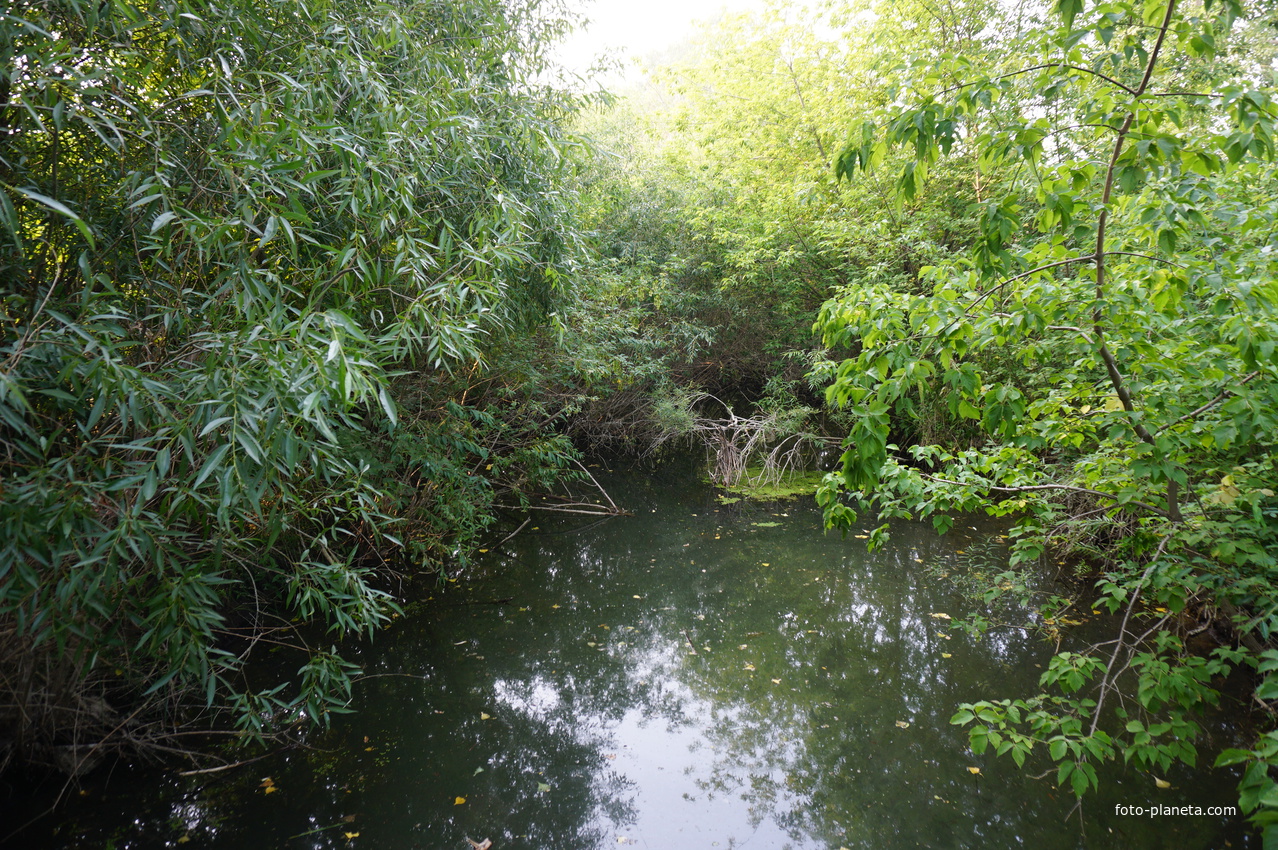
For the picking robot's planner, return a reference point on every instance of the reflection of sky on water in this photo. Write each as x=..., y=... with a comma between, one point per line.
x=691, y=677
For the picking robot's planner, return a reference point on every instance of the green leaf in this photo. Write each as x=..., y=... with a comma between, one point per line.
x=61, y=208
x=1068, y=10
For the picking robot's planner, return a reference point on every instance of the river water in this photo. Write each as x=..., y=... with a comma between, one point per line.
x=697, y=675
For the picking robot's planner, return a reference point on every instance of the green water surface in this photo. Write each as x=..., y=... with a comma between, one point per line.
x=694, y=676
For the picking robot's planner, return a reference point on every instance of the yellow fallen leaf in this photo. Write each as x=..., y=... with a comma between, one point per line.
x=766, y=564
x=776, y=681
x=975, y=771
x=184, y=839
x=743, y=646
x=483, y=550
x=457, y=801
x=1161, y=783
x=637, y=596
x=942, y=616
x=485, y=716
x=901, y=724
x=749, y=666
x=350, y=835
x=861, y=536
x=947, y=655
x=269, y=789
x=554, y=606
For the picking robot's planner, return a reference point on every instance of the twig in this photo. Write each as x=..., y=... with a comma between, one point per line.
x=221, y=767
x=1032, y=487
x=597, y=485
x=601, y=512
x=512, y=534
x=1106, y=682
x=1224, y=394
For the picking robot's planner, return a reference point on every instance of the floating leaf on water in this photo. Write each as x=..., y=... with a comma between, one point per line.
x=776, y=681
x=554, y=606
x=184, y=839
x=947, y=655
x=591, y=643
x=975, y=771
x=485, y=716
x=861, y=536
x=457, y=801
x=749, y=667
x=483, y=550
x=902, y=724
x=478, y=771
x=350, y=835
x=1161, y=783
x=637, y=596
x=486, y=844
x=940, y=616
x=743, y=646
x=543, y=787
x=766, y=564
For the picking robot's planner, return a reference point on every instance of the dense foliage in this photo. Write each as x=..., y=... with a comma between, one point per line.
x=297, y=296
x=1050, y=243
x=254, y=259
x=1112, y=336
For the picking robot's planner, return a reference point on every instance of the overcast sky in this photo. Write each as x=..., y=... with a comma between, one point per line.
x=639, y=27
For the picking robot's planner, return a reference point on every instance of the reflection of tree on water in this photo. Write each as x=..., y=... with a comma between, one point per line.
x=624, y=686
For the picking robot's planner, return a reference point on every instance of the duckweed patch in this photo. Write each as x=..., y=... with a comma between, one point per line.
x=758, y=485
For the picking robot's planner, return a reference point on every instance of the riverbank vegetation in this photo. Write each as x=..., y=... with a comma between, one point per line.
x=259, y=261
x=298, y=299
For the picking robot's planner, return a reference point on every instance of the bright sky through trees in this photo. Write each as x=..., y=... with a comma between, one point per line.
x=633, y=30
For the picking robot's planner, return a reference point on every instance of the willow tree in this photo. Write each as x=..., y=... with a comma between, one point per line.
x=223, y=228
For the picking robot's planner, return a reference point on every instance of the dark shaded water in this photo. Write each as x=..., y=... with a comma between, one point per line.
x=695, y=676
